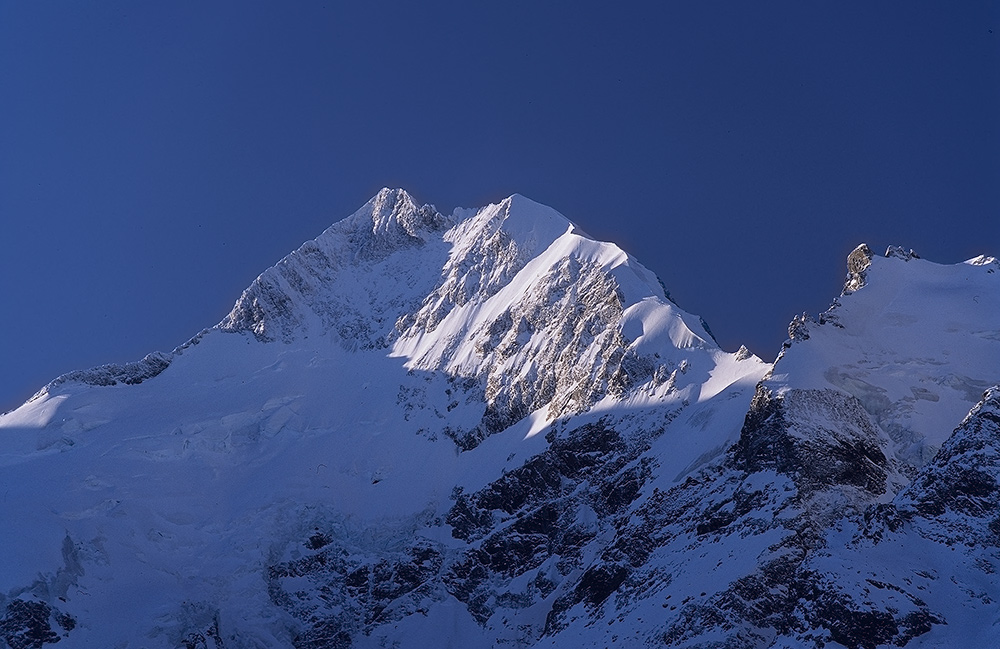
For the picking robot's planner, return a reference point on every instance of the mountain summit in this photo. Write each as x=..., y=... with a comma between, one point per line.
x=511, y=301
x=487, y=428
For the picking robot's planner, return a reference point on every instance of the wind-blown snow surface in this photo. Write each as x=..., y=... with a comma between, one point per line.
x=488, y=429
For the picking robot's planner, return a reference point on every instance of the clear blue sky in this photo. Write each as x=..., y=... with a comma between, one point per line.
x=155, y=157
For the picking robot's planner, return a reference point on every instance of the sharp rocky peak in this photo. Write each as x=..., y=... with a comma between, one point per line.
x=858, y=262
x=327, y=284
x=422, y=263
x=390, y=220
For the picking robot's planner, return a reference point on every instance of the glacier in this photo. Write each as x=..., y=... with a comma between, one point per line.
x=488, y=429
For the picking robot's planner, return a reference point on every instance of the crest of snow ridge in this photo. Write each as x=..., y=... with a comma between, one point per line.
x=511, y=296
x=511, y=300
x=911, y=342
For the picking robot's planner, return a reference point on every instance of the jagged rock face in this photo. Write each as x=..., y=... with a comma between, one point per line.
x=536, y=315
x=113, y=374
x=484, y=259
x=561, y=346
x=821, y=438
x=857, y=263
x=582, y=537
x=30, y=624
x=378, y=241
x=842, y=437
x=776, y=495
x=956, y=497
x=526, y=542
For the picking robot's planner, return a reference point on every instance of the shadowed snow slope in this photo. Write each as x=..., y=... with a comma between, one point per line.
x=487, y=428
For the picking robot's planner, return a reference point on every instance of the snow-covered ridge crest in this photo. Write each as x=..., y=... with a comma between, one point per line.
x=546, y=317
x=312, y=285
x=131, y=373
x=512, y=296
x=512, y=300
x=113, y=373
x=915, y=342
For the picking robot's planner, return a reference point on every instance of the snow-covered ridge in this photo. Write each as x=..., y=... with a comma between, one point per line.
x=114, y=373
x=547, y=317
x=915, y=342
x=131, y=373
x=512, y=296
x=512, y=301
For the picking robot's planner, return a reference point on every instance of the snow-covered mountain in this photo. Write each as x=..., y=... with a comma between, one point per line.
x=488, y=429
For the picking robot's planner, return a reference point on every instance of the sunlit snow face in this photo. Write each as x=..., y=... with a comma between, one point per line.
x=34, y=414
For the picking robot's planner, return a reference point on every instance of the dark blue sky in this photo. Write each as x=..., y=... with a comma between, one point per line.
x=155, y=157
